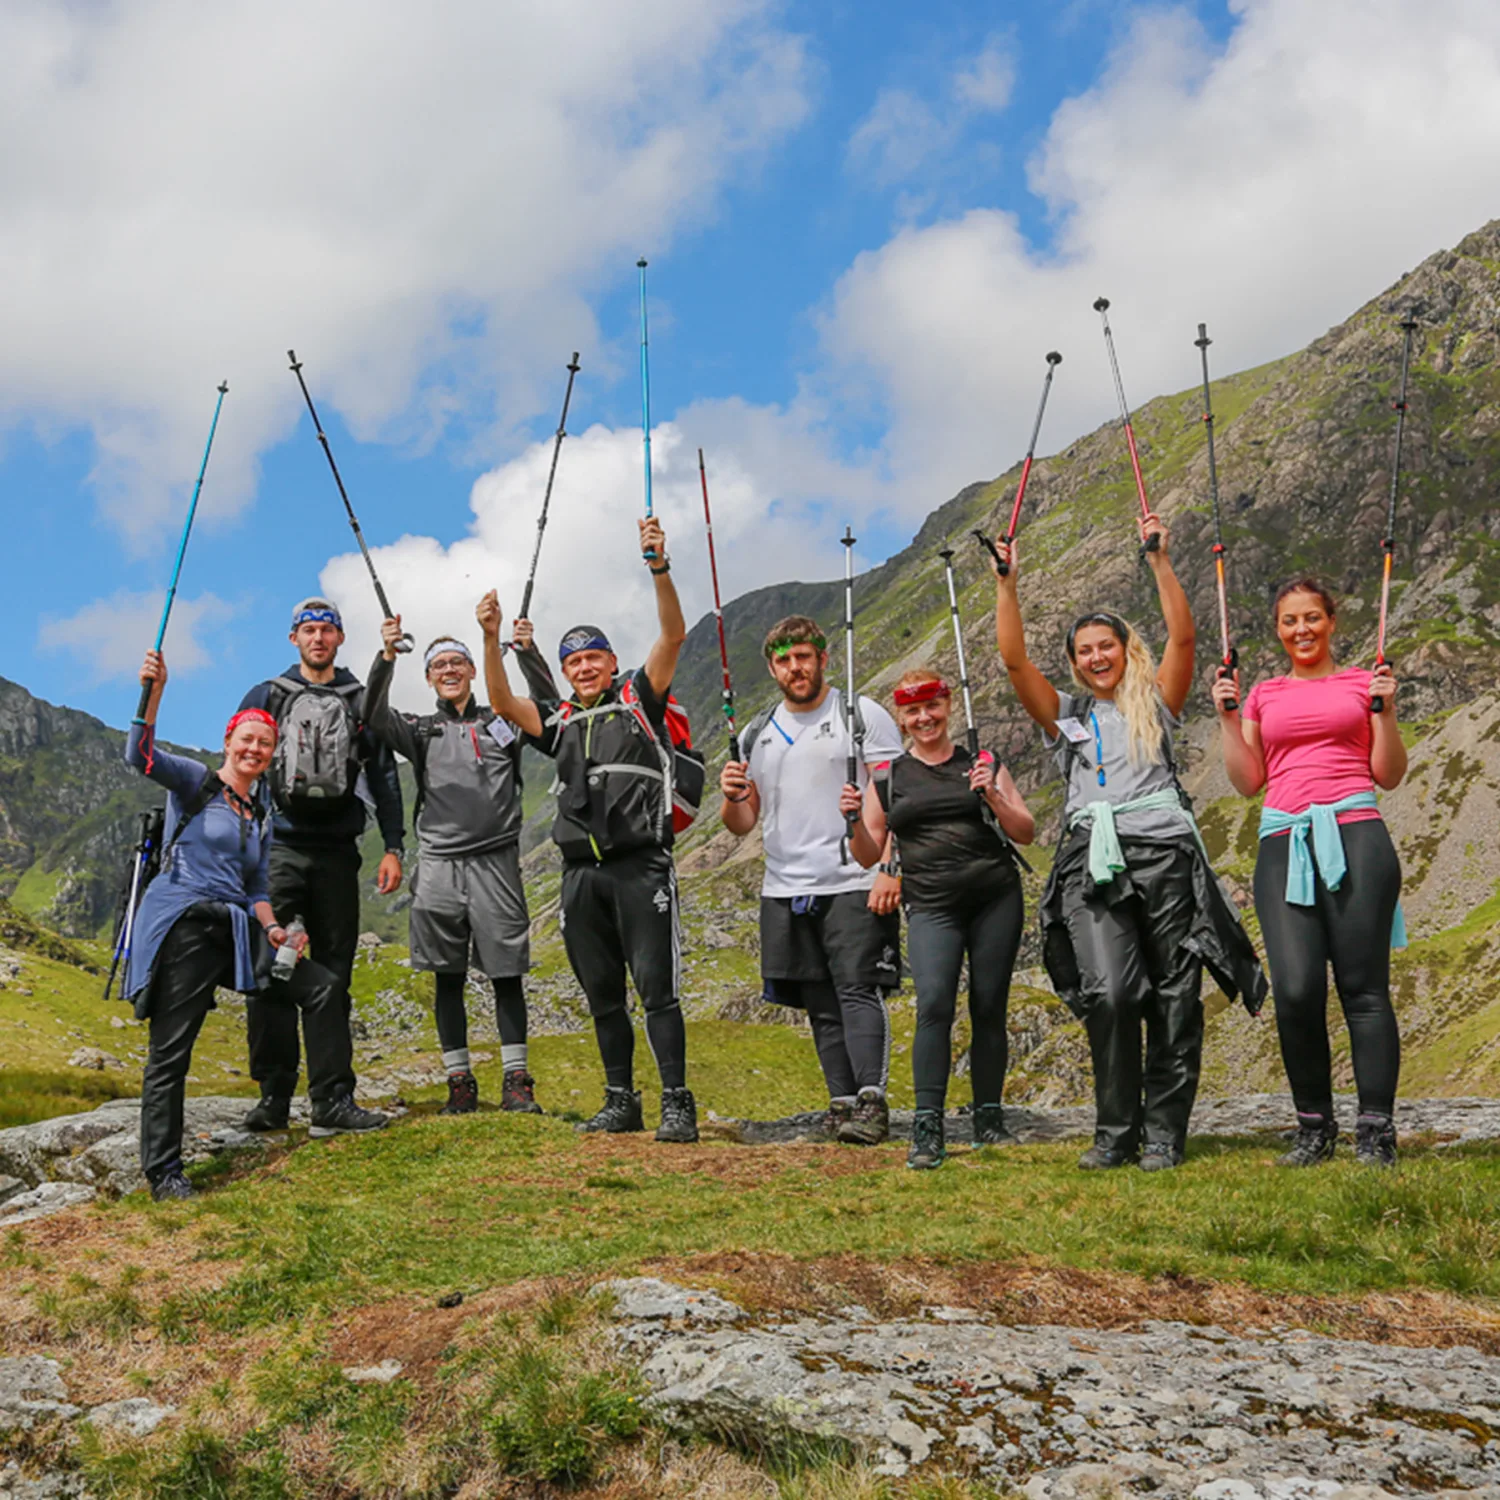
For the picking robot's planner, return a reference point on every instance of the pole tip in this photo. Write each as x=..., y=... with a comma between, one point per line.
x=1101, y=304
x=641, y=263
x=1203, y=340
x=1054, y=358
x=223, y=387
x=573, y=364
x=848, y=536
x=946, y=553
x=1409, y=322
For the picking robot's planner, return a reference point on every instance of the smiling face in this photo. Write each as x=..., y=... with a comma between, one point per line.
x=1305, y=626
x=317, y=643
x=1099, y=656
x=451, y=675
x=927, y=723
x=798, y=671
x=248, y=750
x=590, y=672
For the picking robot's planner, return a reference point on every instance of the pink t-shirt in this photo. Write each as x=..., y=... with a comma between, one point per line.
x=1315, y=733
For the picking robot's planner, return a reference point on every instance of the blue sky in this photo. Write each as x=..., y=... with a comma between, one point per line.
x=866, y=222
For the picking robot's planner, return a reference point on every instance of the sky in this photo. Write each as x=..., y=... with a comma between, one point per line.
x=865, y=223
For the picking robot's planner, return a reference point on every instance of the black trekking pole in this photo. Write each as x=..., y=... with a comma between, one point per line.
x=946, y=553
x=187, y=527
x=1231, y=657
x=407, y=641
x=130, y=897
x=713, y=568
x=853, y=722
x=541, y=525
x=1388, y=541
x=1101, y=306
x=1054, y=359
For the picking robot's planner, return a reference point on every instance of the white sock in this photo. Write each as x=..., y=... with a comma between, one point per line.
x=843, y=1099
x=513, y=1056
x=456, y=1061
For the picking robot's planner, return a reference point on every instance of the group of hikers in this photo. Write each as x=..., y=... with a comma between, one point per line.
x=262, y=860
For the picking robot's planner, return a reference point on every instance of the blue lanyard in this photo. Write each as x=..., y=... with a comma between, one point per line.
x=1098, y=745
x=779, y=730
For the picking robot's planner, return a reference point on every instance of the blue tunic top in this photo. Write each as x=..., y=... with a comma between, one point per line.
x=221, y=856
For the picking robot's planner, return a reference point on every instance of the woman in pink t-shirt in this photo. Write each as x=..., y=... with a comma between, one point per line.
x=1327, y=879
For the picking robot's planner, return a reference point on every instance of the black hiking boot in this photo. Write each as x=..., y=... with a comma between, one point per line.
x=1317, y=1139
x=927, y=1148
x=870, y=1122
x=517, y=1092
x=270, y=1113
x=172, y=1183
x=342, y=1115
x=1375, y=1141
x=463, y=1095
x=1102, y=1158
x=620, y=1113
x=679, y=1117
x=840, y=1113
x=990, y=1128
x=1161, y=1156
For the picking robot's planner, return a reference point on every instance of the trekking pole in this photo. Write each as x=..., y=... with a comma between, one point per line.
x=541, y=525
x=1054, y=359
x=946, y=553
x=187, y=526
x=1388, y=541
x=1101, y=306
x=852, y=721
x=650, y=555
x=131, y=897
x=1231, y=655
x=407, y=641
x=713, y=568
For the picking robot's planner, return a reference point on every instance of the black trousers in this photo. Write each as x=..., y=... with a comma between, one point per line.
x=1349, y=928
x=322, y=885
x=937, y=941
x=197, y=956
x=1135, y=967
x=621, y=915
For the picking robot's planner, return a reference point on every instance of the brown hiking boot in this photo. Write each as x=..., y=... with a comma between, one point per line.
x=517, y=1092
x=463, y=1094
x=870, y=1123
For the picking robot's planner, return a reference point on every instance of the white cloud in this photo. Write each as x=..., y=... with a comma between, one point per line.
x=988, y=81
x=1267, y=188
x=109, y=636
x=420, y=199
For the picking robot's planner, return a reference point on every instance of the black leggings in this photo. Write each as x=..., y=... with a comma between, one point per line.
x=453, y=1016
x=1351, y=929
x=936, y=942
x=851, y=1031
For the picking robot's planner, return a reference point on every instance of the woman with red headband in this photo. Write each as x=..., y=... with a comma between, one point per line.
x=206, y=920
x=946, y=822
x=1132, y=911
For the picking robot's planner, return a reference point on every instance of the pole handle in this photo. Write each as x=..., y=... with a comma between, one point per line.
x=1226, y=669
x=144, y=704
x=1001, y=566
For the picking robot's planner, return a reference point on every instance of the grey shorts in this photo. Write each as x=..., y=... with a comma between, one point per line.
x=473, y=904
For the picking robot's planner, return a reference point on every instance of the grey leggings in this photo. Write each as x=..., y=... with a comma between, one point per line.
x=936, y=943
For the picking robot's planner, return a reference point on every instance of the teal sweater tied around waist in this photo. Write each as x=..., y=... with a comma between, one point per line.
x=1106, y=858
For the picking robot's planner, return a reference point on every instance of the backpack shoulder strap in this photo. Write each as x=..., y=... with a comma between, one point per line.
x=208, y=789
x=754, y=729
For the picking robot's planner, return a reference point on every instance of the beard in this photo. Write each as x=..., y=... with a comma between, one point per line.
x=804, y=690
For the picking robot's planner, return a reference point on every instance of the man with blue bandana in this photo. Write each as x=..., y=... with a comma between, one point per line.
x=327, y=766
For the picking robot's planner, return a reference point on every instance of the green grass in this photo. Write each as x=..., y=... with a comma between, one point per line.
x=29, y=1094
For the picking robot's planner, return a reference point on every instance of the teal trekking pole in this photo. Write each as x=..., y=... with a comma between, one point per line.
x=187, y=527
x=645, y=396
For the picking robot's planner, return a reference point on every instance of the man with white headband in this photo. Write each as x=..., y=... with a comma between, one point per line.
x=326, y=766
x=468, y=903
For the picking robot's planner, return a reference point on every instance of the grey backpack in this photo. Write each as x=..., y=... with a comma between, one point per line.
x=316, y=756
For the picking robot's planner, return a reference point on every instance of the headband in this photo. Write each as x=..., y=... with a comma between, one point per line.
x=1099, y=617
x=783, y=644
x=583, y=638
x=447, y=644
x=254, y=716
x=922, y=692
x=316, y=612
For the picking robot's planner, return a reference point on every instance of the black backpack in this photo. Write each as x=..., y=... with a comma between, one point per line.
x=317, y=744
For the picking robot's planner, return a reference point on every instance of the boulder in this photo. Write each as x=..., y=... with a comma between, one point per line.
x=135, y=1416
x=32, y=1391
x=41, y=1202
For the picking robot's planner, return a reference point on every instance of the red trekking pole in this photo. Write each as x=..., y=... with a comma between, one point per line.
x=1101, y=306
x=1053, y=361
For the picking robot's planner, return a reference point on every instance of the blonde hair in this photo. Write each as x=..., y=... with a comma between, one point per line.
x=1137, y=697
x=915, y=678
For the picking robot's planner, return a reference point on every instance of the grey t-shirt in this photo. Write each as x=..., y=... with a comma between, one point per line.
x=1122, y=781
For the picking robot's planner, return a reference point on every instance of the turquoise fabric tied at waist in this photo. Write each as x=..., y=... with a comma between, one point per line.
x=1327, y=852
x=1106, y=858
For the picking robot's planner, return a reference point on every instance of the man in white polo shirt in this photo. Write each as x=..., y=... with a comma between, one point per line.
x=821, y=947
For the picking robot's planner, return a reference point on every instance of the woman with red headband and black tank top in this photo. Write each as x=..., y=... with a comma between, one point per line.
x=1132, y=911
x=1327, y=877
x=205, y=921
x=945, y=822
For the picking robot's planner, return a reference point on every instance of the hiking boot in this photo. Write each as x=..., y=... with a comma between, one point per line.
x=927, y=1149
x=620, y=1113
x=338, y=1116
x=990, y=1128
x=1102, y=1158
x=270, y=1113
x=840, y=1113
x=1161, y=1156
x=1317, y=1138
x=516, y=1092
x=679, y=1116
x=1375, y=1141
x=171, y=1184
x=463, y=1095
x=870, y=1122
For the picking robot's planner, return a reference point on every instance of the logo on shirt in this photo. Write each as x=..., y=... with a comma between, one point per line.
x=662, y=901
x=825, y=730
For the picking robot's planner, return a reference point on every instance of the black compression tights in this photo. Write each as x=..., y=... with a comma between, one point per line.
x=1351, y=929
x=453, y=1017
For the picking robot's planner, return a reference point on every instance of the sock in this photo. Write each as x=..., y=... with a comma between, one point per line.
x=513, y=1056
x=456, y=1061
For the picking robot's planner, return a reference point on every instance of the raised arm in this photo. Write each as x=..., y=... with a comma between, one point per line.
x=1174, y=679
x=1038, y=696
x=661, y=660
x=522, y=712
x=385, y=723
x=177, y=773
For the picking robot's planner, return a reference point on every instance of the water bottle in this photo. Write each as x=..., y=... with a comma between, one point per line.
x=288, y=953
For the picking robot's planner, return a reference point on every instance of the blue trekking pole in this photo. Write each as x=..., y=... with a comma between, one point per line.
x=645, y=396
x=187, y=526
